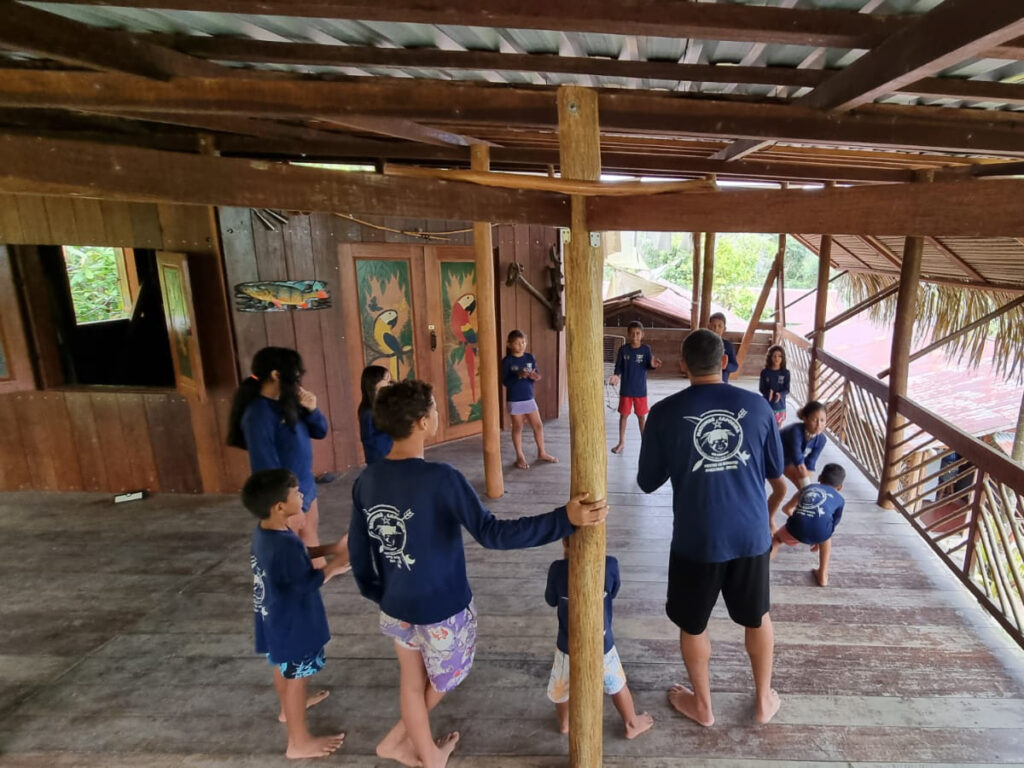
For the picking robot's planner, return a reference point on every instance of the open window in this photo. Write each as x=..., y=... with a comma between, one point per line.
x=102, y=284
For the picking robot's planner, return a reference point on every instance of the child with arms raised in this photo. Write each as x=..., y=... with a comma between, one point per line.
x=813, y=515
x=632, y=362
x=376, y=443
x=405, y=540
x=557, y=595
x=518, y=372
x=290, y=622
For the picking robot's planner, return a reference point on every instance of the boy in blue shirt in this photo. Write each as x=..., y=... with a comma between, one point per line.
x=632, y=362
x=557, y=596
x=813, y=515
x=289, y=620
x=405, y=540
x=716, y=324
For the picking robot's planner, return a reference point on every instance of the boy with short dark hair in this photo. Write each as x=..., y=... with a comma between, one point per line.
x=812, y=517
x=290, y=623
x=716, y=324
x=408, y=557
x=632, y=362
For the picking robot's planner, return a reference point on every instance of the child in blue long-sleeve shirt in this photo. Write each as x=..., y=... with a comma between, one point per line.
x=802, y=443
x=774, y=384
x=812, y=517
x=716, y=324
x=632, y=362
x=376, y=444
x=405, y=542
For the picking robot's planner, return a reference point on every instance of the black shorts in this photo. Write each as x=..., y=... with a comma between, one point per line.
x=693, y=589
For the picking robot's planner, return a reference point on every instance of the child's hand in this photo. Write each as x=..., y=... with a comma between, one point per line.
x=534, y=375
x=523, y=374
x=307, y=399
x=656, y=362
x=614, y=380
x=582, y=514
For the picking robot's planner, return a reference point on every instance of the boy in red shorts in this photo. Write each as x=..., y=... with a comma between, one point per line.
x=632, y=362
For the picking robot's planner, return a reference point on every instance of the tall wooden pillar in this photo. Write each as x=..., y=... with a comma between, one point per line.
x=708, y=278
x=1018, y=437
x=487, y=340
x=695, y=291
x=820, y=312
x=780, y=293
x=580, y=156
x=902, y=332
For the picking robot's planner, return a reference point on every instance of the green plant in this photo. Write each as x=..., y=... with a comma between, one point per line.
x=94, y=276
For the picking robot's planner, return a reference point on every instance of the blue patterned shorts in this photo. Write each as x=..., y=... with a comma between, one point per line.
x=292, y=670
x=448, y=647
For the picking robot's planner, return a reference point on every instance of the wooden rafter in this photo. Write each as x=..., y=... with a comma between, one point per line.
x=881, y=249
x=639, y=112
x=402, y=129
x=955, y=258
x=29, y=29
x=953, y=31
x=708, y=21
x=856, y=309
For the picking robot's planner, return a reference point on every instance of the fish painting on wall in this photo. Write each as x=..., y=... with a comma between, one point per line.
x=281, y=295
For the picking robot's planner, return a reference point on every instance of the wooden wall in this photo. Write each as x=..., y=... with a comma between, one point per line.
x=116, y=439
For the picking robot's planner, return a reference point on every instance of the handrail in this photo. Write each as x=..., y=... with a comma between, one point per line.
x=856, y=375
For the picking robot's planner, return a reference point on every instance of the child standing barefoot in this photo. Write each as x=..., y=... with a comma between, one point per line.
x=290, y=623
x=632, y=362
x=813, y=515
x=775, y=382
x=408, y=557
x=518, y=372
x=557, y=595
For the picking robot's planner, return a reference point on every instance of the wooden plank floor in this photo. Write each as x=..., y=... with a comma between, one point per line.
x=125, y=640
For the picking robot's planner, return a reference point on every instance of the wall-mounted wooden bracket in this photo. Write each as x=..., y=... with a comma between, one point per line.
x=553, y=300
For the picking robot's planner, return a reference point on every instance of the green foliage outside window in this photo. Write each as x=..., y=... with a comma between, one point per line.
x=95, y=277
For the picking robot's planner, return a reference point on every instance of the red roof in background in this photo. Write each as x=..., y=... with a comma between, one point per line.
x=975, y=400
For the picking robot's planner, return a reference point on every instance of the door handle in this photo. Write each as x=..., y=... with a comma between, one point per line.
x=433, y=338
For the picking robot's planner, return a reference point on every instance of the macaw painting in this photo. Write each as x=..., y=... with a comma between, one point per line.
x=458, y=299
x=385, y=312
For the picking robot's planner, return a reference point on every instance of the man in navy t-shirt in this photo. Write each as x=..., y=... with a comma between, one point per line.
x=717, y=444
x=813, y=515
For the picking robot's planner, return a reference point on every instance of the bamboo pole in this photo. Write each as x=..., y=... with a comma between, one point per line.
x=708, y=279
x=695, y=290
x=1018, y=438
x=762, y=299
x=902, y=334
x=580, y=156
x=856, y=309
x=820, y=313
x=487, y=341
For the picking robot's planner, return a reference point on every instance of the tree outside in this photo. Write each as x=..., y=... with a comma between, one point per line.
x=94, y=275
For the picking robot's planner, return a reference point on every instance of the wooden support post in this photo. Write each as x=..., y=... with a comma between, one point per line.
x=902, y=334
x=1018, y=439
x=580, y=155
x=695, y=291
x=820, y=313
x=708, y=279
x=487, y=340
x=780, y=293
x=755, y=318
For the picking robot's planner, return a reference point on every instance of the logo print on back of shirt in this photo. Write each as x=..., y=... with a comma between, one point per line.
x=718, y=438
x=259, y=588
x=812, y=503
x=387, y=525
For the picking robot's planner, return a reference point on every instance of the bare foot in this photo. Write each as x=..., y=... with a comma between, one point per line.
x=311, y=701
x=684, y=702
x=548, y=458
x=766, y=710
x=521, y=463
x=316, y=747
x=447, y=746
x=618, y=448
x=821, y=578
x=563, y=725
x=639, y=724
x=402, y=752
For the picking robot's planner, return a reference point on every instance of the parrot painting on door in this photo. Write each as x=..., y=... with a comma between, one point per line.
x=388, y=344
x=464, y=327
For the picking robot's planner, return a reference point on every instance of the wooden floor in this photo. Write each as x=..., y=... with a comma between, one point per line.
x=125, y=640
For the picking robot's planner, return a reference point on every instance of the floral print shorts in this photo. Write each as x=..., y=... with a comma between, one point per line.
x=448, y=647
x=307, y=667
x=558, y=683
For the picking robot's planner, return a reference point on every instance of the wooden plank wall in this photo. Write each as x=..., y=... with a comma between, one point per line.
x=113, y=439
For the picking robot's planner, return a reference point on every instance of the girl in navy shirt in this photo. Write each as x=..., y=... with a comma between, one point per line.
x=802, y=443
x=518, y=372
x=275, y=420
x=376, y=444
x=775, y=382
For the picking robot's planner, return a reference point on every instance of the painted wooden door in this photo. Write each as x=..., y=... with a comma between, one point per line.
x=180, y=315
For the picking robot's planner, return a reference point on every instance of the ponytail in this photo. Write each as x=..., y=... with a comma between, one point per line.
x=288, y=365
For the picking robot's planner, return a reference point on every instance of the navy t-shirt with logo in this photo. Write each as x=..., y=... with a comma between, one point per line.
x=631, y=366
x=799, y=449
x=717, y=444
x=818, y=512
x=775, y=380
x=517, y=389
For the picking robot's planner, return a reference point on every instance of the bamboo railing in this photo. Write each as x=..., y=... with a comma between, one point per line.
x=962, y=496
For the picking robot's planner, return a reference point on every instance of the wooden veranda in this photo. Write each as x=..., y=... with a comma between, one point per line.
x=888, y=135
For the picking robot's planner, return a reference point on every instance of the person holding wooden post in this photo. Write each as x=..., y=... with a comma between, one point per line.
x=717, y=444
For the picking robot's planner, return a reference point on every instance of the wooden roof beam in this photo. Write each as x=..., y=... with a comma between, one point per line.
x=881, y=249
x=422, y=101
x=55, y=167
x=967, y=209
x=953, y=31
x=955, y=258
x=401, y=129
x=709, y=21
x=25, y=28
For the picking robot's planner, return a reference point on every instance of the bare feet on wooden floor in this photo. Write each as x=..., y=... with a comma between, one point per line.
x=446, y=745
x=311, y=701
x=521, y=463
x=684, y=702
x=639, y=724
x=618, y=449
x=821, y=578
x=548, y=458
x=400, y=750
x=767, y=708
x=563, y=725
x=317, y=746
